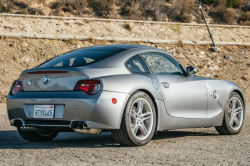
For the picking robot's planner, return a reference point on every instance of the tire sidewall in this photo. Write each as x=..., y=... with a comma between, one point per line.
x=131, y=101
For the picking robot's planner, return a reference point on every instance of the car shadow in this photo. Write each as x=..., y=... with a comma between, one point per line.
x=12, y=140
x=176, y=134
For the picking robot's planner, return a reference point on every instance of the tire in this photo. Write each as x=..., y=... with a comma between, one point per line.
x=45, y=136
x=229, y=125
x=137, y=125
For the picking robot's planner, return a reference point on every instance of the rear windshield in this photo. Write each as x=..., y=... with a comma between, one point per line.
x=81, y=57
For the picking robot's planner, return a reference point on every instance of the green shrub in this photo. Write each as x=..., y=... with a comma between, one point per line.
x=234, y=3
x=228, y=3
x=212, y=2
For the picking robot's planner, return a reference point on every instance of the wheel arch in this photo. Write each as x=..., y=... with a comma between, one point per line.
x=242, y=97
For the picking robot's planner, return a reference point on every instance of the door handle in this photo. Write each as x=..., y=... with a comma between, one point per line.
x=165, y=84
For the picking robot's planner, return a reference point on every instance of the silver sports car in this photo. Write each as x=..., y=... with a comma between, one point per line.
x=131, y=91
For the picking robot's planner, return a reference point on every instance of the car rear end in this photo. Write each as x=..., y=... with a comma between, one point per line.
x=63, y=98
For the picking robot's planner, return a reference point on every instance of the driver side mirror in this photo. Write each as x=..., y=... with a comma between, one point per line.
x=191, y=70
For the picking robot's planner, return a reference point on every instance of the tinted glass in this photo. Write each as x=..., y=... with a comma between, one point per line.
x=82, y=57
x=162, y=64
x=137, y=65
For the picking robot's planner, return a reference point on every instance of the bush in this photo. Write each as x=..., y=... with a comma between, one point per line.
x=221, y=14
x=229, y=3
x=102, y=7
x=216, y=2
x=245, y=18
x=129, y=27
x=76, y=7
x=183, y=10
x=235, y=3
x=143, y=9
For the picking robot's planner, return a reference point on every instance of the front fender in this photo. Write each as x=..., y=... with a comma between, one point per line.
x=224, y=89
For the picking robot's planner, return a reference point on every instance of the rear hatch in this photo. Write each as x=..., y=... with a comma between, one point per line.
x=51, y=79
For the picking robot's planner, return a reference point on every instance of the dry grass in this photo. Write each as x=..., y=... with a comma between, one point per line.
x=175, y=27
x=66, y=23
x=79, y=23
x=73, y=41
x=180, y=43
x=92, y=39
x=202, y=67
x=89, y=20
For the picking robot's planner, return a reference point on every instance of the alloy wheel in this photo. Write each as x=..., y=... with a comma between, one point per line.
x=141, y=118
x=235, y=113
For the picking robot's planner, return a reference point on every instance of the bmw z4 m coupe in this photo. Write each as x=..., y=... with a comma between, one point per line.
x=131, y=91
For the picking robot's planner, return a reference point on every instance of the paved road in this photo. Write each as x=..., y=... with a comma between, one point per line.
x=177, y=147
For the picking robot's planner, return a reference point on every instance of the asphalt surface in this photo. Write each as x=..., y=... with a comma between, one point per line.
x=176, y=147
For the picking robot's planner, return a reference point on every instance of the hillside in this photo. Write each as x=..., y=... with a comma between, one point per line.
x=216, y=11
x=232, y=63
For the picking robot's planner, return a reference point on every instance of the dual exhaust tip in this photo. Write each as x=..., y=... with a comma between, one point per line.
x=81, y=127
x=78, y=125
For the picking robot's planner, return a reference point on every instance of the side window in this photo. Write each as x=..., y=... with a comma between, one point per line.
x=136, y=65
x=162, y=64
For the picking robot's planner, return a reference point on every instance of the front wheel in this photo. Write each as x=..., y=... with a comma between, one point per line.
x=233, y=116
x=138, y=122
x=43, y=136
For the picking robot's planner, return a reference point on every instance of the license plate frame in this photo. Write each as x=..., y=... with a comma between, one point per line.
x=44, y=111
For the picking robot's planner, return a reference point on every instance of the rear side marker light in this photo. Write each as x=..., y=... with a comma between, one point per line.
x=89, y=86
x=114, y=100
x=17, y=86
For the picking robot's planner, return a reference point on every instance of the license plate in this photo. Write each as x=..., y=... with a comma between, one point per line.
x=44, y=111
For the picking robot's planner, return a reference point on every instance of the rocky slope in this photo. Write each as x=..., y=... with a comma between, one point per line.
x=232, y=63
x=118, y=29
x=216, y=11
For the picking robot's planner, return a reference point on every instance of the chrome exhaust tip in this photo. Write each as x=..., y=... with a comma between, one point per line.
x=78, y=125
x=82, y=128
x=18, y=123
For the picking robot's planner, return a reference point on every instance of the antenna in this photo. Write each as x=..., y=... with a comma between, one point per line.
x=211, y=36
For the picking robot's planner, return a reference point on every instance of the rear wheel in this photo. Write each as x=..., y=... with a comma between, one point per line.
x=233, y=116
x=138, y=122
x=43, y=136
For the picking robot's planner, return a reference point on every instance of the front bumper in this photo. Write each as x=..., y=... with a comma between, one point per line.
x=97, y=111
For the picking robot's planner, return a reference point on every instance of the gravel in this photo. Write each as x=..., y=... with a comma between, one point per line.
x=176, y=147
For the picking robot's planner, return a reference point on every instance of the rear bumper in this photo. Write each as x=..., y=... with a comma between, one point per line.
x=97, y=111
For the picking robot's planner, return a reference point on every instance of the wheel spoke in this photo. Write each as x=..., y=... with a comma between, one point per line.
x=135, y=130
x=143, y=129
x=146, y=116
x=238, y=110
x=133, y=114
x=231, y=121
x=140, y=106
x=236, y=121
x=233, y=103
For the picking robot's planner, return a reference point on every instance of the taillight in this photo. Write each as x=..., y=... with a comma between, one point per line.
x=17, y=86
x=89, y=86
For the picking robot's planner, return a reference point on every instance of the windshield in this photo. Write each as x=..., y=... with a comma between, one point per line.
x=81, y=57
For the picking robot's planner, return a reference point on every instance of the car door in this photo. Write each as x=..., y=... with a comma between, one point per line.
x=184, y=96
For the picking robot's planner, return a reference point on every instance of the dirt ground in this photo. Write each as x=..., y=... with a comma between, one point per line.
x=22, y=25
x=174, y=147
x=16, y=55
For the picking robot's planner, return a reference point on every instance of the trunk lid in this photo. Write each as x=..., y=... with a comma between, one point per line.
x=51, y=79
